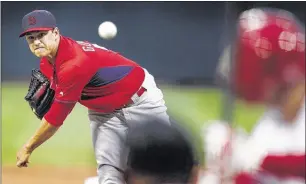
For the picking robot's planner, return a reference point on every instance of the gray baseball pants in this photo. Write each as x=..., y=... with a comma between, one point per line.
x=109, y=131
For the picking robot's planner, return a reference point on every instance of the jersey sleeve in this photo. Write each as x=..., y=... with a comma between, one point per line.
x=292, y=165
x=70, y=83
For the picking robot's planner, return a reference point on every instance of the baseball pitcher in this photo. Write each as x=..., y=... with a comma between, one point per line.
x=117, y=92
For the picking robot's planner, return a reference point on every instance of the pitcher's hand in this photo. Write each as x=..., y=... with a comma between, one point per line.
x=23, y=156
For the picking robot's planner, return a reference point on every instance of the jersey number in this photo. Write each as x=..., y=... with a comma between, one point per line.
x=90, y=47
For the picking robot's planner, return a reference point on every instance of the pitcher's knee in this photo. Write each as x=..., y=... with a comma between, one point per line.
x=110, y=175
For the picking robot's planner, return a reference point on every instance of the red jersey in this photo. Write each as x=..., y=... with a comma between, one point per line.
x=100, y=79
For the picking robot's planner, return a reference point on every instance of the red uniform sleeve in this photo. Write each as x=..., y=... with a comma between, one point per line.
x=70, y=83
x=244, y=178
x=285, y=166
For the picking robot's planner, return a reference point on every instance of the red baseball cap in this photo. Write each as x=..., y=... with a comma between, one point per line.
x=37, y=20
x=269, y=53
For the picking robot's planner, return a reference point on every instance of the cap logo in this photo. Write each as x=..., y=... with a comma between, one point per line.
x=32, y=20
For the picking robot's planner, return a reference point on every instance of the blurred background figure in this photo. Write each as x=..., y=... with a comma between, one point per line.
x=268, y=68
x=161, y=154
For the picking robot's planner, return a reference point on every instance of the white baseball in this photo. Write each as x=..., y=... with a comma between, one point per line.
x=107, y=30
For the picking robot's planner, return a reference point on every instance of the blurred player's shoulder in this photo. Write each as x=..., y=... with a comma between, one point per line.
x=161, y=151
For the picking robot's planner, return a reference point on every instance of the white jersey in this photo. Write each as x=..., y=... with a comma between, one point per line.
x=273, y=135
x=279, y=137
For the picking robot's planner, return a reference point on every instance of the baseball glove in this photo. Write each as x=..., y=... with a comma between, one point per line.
x=40, y=96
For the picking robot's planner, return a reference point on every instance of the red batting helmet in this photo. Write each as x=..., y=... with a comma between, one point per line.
x=269, y=52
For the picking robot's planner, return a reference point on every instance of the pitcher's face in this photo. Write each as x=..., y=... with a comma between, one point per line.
x=43, y=43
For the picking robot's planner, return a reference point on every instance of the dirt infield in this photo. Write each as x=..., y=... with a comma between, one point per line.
x=46, y=175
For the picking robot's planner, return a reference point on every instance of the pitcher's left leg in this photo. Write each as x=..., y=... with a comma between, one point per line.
x=110, y=175
x=109, y=135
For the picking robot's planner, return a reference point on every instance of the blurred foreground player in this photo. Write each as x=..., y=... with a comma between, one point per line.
x=160, y=154
x=269, y=69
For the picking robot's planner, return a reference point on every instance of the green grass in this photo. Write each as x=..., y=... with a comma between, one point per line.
x=72, y=144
